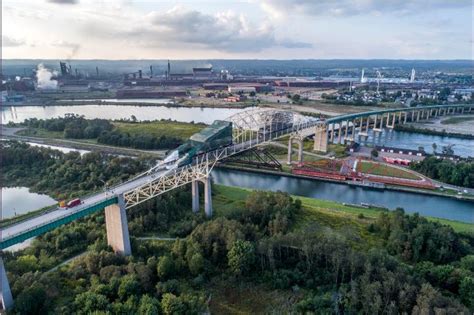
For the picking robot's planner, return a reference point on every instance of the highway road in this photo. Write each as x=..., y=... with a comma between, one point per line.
x=87, y=202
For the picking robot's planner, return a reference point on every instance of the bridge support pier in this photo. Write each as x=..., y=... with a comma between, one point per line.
x=6, y=297
x=321, y=138
x=117, y=227
x=290, y=149
x=207, y=196
x=195, y=195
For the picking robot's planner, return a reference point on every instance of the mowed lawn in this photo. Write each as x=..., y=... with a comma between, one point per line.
x=384, y=170
x=159, y=128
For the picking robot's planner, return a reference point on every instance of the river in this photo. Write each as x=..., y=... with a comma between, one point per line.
x=426, y=205
x=19, y=200
x=408, y=140
x=197, y=114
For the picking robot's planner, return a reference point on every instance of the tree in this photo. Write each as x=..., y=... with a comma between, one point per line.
x=31, y=300
x=374, y=153
x=165, y=267
x=171, y=304
x=149, y=306
x=241, y=257
x=90, y=302
x=196, y=263
x=129, y=285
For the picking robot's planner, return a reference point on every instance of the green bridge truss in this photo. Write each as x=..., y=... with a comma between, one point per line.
x=394, y=110
x=41, y=229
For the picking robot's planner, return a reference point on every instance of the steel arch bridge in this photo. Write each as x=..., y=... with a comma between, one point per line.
x=251, y=128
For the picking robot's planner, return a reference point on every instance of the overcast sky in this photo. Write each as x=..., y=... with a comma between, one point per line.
x=264, y=29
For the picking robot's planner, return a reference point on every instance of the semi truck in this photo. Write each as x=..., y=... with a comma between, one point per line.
x=73, y=203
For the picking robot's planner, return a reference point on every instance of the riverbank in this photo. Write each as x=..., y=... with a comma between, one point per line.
x=226, y=195
x=171, y=104
x=349, y=183
x=433, y=132
x=79, y=145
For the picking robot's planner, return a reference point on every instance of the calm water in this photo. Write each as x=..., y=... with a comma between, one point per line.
x=19, y=200
x=126, y=100
x=54, y=147
x=426, y=205
x=407, y=140
x=196, y=114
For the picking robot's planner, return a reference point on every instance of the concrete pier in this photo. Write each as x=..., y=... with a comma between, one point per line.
x=5, y=293
x=290, y=150
x=117, y=227
x=207, y=196
x=195, y=195
x=321, y=139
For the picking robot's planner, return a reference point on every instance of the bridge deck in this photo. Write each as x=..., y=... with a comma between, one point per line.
x=394, y=110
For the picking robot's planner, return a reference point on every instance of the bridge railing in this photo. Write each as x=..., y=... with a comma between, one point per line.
x=5, y=238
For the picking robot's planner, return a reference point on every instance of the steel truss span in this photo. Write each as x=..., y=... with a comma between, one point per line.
x=250, y=129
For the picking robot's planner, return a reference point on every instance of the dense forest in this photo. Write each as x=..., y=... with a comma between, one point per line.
x=397, y=263
x=77, y=127
x=450, y=172
x=63, y=175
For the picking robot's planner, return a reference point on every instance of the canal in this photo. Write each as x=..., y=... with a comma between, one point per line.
x=426, y=205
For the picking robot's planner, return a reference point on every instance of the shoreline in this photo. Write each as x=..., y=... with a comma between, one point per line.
x=138, y=104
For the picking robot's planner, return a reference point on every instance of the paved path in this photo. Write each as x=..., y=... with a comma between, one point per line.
x=67, y=262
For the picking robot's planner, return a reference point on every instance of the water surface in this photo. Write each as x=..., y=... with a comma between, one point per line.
x=184, y=114
x=427, y=205
x=19, y=200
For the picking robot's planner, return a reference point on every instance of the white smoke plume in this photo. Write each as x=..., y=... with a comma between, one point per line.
x=44, y=75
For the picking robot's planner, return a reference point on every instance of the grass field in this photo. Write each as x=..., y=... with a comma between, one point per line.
x=456, y=120
x=41, y=133
x=158, y=128
x=384, y=170
x=318, y=212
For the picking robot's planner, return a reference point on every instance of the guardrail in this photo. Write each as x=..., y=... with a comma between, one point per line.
x=54, y=223
x=394, y=110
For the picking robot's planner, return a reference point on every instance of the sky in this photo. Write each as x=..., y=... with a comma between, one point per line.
x=231, y=29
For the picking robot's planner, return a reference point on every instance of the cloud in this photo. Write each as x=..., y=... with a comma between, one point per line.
x=11, y=42
x=73, y=47
x=63, y=1
x=279, y=8
x=184, y=28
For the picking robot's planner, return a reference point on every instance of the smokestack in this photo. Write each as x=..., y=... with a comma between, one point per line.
x=97, y=70
x=63, y=67
x=151, y=71
x=139, y=74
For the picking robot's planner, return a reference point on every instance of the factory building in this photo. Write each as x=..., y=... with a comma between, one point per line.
x=241, y=89
x=203, y=73
x=149, y=93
